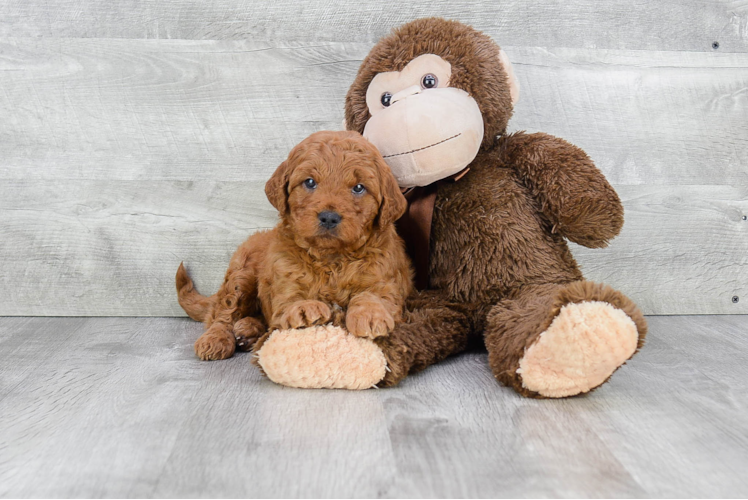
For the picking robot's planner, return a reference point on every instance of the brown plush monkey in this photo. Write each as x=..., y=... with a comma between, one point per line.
x=435, y=97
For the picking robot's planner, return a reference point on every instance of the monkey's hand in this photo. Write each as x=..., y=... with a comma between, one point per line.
x=573, y=194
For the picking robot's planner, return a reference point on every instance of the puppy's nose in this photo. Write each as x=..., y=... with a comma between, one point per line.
x=328, y=219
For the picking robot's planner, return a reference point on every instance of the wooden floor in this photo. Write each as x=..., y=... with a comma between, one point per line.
x=120, y=407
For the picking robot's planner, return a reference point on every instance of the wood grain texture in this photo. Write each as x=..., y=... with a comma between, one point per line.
x=664, y=25
x=644, y=118
x=164, y=110
x=112, y=248
x=121, y=157
x=121, y=407
x=205, y=110
x=97, y=248
x=682, y=250
x=679, y=365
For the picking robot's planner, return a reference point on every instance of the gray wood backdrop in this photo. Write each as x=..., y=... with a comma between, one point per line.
x=135, y=135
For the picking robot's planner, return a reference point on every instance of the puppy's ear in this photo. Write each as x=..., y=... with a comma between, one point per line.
x=393, y=204
x=276, y=189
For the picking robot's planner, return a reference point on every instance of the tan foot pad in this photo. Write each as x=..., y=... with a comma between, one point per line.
x=321, y=357
x=583, y=346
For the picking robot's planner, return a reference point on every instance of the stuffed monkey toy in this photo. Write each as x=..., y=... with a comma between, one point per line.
x=487, y=225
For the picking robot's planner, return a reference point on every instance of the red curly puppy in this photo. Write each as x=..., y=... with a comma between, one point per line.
x=334, y=256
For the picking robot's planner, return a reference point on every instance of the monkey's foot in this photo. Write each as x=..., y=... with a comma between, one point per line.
x=320, y=357
x=580, y=350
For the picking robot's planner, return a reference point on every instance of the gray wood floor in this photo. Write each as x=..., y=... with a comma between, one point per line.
x=120, y=407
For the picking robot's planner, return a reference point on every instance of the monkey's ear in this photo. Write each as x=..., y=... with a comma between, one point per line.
x=393, y=204
x=276, y=189
x=513, y=82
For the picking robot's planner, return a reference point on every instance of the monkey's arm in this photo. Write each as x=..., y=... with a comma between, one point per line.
x=573, y=194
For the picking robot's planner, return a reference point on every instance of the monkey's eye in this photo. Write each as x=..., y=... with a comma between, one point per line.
x=429, y=81
x=386, y=98
x=310, y=183
x=359, y=189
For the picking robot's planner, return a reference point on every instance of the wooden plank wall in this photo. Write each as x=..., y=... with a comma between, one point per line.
x=137, y=135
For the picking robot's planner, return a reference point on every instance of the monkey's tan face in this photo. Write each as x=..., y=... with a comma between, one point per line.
x=425, y=129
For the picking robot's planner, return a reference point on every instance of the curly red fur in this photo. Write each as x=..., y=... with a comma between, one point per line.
x=300, y=274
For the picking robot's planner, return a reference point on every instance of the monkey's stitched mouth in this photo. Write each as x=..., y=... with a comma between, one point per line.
x=425, y=147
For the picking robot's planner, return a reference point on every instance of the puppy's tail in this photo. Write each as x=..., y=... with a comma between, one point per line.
x=195, y=305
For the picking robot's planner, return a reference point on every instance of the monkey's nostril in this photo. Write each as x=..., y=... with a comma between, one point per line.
x=328, y=219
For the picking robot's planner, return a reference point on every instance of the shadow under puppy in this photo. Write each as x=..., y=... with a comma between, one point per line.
x=334, y=256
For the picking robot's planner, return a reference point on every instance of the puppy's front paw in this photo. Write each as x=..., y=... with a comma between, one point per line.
x=216, y=343
x=370, y=320
x=305, y=313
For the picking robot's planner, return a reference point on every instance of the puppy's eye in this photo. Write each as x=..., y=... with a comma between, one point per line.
x=358, y=189
x=429, y=81
x=386, y=98
x=310, y=184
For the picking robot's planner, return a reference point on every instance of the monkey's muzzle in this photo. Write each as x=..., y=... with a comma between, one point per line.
x=427, y=136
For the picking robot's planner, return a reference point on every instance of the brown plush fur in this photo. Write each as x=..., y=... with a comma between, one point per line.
x=301, y=274
x=499, y=263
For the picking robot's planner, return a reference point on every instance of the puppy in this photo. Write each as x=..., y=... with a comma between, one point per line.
x=334, y=256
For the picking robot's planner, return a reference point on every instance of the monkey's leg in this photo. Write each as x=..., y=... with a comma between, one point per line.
x=562, y=340
x=329, y=357
x=432, y=331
